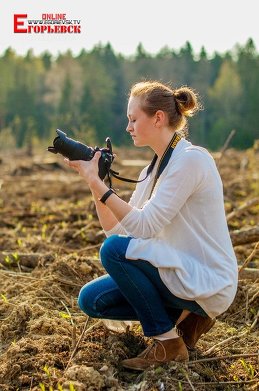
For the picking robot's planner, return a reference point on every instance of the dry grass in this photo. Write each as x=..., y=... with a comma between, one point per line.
x=49, y=245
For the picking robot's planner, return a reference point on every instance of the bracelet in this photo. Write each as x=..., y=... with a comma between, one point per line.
x=106, y=196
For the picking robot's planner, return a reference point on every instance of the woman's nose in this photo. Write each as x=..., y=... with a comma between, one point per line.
x=129, y=127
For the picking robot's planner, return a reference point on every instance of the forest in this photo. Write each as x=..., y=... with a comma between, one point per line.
x=86, y=95
x=50, y=235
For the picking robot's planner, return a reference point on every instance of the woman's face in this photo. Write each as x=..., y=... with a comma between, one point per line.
x=140, y=125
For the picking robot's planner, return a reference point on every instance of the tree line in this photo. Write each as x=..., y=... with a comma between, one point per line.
x=86, y=94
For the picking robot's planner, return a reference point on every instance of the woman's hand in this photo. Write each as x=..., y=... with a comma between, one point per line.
x=87, y=169
x=115, y=209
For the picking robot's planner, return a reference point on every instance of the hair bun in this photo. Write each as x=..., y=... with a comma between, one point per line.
x=186, y=101
x=181, y=96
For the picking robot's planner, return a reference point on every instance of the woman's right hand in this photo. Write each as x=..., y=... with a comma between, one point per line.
x=88, y=170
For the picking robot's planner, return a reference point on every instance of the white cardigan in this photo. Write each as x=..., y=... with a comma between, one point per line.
x=182, y=229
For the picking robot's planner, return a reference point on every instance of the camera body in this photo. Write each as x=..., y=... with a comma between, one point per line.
x=75, y=150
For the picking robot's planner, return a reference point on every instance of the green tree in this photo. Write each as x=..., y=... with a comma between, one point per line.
x=224, y=104
x=248, y=65
x=87, y=94
x=96, y=103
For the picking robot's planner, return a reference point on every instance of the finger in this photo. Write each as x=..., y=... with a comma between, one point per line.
x=97, y=155
x=72, y=164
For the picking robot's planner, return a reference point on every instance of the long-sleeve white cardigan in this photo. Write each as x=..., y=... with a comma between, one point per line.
x=182, y=229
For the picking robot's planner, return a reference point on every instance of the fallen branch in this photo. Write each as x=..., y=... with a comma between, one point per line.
x=67, y=282
x=255, y=321
x=217, y=382
x=249, y=258
x=254, y=297
x=30, y=260
x=78, y=343
x=188, y=379
x=233, y=356
x=249, y=274
x=242, y=208
x=228, y=382
x=22, y=275
x=82, y=250
x=225, y=146
x=84, y=229
x=68, y=312
x=209, y=351
x=245, y=236
x=80, y=339
x=224, y=342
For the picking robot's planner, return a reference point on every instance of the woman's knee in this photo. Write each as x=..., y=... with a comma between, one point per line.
x=86, y=301
x=114, y=246
x=95, y=296
x=108, y=246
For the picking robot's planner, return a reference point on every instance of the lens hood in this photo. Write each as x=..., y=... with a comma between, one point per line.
x=72, y=149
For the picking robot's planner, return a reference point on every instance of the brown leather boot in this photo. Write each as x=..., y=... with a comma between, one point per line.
x=159, y=352
x=193, y=326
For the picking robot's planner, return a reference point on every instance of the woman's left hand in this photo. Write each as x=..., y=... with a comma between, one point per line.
x=87, y=169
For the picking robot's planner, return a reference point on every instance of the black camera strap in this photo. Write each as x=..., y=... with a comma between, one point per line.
x=162, y=164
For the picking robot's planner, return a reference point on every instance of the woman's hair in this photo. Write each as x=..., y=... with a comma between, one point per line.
x=177, y=103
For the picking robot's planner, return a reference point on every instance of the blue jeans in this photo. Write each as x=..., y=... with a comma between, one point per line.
x=132, y=290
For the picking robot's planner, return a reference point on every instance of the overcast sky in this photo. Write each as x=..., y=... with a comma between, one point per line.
x=217, y=25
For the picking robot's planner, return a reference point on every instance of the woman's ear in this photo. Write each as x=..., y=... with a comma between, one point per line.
x=159, y=118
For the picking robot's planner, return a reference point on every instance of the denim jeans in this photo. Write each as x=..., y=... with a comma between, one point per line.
x=132, y=290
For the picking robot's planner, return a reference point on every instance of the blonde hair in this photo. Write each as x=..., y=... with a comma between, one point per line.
x=178, y=103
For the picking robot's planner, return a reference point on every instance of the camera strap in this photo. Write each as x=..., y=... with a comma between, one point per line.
x=161, y=166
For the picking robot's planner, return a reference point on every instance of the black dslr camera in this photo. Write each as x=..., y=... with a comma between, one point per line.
x=74, y=150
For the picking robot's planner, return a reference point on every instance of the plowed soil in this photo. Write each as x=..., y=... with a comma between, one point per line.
x=49, y=243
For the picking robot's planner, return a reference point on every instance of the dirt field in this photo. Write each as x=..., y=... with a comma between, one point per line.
x=49, y=242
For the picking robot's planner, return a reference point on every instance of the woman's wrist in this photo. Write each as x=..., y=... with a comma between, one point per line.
x=105, y=196
x=98, y=187
x=96, y=183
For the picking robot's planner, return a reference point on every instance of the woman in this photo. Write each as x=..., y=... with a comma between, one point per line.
x=169, y=259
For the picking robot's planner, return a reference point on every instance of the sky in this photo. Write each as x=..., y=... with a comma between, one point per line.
x=217, y=25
